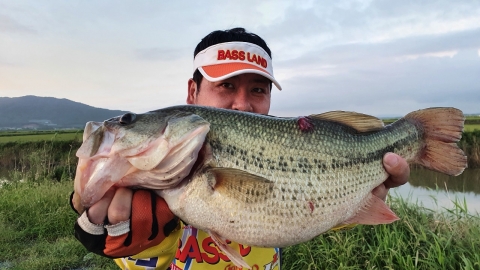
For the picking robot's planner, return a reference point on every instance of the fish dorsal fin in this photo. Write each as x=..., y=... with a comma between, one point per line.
x=241, y=185
x=359, y=121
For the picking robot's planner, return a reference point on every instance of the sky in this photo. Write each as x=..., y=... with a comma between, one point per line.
x=384, y=58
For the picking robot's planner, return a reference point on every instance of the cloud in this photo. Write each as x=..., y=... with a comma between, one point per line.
x=161, y=54
x=325, y=24
x=10, y=25
x=385, y=87
x=374, y=57
x=431, y=54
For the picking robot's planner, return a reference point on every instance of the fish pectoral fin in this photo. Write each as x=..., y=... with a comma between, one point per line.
x=241, y=185
x=359, y=121
x=228, y=250
x=374, y=212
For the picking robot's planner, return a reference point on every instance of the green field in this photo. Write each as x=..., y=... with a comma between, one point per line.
x=472, y=117
x=471, y=127
x=36, y=229
x=29, y=136
x=69, y=136
x=472, y=122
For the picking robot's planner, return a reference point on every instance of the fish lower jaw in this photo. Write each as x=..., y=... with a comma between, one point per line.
x=87, y=199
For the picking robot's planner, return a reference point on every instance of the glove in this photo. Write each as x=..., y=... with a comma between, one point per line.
x=150, y=222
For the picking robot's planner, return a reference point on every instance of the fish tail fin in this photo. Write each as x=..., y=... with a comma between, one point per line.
x=442, y=129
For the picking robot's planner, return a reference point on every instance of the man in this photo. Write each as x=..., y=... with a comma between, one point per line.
x=232, y=70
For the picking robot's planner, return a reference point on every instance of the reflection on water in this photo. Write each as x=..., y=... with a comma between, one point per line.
x=468, y=181
x=436, y=191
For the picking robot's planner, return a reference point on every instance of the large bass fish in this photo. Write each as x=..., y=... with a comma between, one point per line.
x=263, y=180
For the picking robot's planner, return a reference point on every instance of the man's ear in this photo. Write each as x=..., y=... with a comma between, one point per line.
x=192, y=92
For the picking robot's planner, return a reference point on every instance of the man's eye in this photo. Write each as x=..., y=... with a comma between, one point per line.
x=259, y=90
x=227, y=85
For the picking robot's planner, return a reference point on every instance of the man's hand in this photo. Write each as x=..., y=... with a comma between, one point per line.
x=115, y=204
x=399, y=172
x=124, y=222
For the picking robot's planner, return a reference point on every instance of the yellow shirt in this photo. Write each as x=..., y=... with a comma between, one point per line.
x=190, y=248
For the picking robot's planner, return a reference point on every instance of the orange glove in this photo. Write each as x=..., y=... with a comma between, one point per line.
x=150, y=222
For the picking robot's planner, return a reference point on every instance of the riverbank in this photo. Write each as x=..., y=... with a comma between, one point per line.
x=55, y=158
x=36, y=222
x=36, y=233
x=39, y=160
x=470, y=143
x=421, y=239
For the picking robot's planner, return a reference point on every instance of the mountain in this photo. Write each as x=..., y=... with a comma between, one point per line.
x=49, y=113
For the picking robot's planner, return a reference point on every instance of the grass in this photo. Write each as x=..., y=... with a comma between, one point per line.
x=470, y=143
x=36, y=160
x=472, y=117
x=31, y=136
x=36, y=228
x=420, y=240
x=36, y=223
x=471, y=127
x=36, y=233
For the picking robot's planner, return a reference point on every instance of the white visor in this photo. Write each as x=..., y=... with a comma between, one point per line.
x=225, y=60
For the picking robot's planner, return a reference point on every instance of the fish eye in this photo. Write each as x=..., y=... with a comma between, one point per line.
x=127, y=118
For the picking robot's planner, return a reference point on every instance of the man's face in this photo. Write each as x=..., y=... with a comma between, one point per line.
x=246, y=92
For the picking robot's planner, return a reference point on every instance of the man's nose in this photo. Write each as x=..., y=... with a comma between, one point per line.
x=242, y=102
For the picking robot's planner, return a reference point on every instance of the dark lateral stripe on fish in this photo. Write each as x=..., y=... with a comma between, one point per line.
x=303, y=165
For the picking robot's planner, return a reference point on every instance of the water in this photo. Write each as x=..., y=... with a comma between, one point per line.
x=436, y=191
x=431, y=189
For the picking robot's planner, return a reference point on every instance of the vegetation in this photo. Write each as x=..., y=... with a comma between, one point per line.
x=422, y=239
x=36, y=233
x=43, y=136
x=472, y=122
x=36, y=222
x=36, y=228
x=38, y=160
x=470, y=143
x=471, y=128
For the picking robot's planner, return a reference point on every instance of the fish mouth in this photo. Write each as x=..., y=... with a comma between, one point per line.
x=97, y=141
x=161, y=165
x=97, y=175
x=93, y=157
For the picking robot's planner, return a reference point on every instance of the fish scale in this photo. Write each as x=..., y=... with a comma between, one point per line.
x=335, y=184
x=263, y=180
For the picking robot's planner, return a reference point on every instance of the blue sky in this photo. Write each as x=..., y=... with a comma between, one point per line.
x=384, y=58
